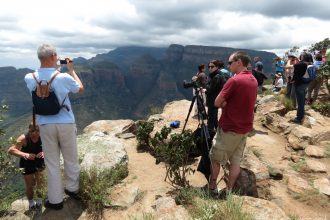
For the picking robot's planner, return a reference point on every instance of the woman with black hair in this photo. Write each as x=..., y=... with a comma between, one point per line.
x=216, y=81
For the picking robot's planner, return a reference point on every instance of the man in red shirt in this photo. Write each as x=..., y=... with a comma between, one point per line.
x=237, y=100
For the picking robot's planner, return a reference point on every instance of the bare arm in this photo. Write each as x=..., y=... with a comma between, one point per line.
x=220, y=101
x=75, y=76
x=15, y=149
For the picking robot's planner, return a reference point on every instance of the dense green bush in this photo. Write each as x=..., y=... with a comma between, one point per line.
x=175, y=154
x=323, y=108
x=143, y=130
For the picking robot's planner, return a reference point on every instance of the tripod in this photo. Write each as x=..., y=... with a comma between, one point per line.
x=205, y=164
x=201, y=111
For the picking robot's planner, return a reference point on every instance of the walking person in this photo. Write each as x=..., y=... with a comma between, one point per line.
x=28, y=148
x=58, y=132
x=315, y=85
x=237, y=100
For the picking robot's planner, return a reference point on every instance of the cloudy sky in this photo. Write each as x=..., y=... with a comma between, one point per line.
x=88, y=27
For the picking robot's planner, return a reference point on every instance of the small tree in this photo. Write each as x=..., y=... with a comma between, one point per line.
x=174, y=152
x=143, y=130
x=324, y=70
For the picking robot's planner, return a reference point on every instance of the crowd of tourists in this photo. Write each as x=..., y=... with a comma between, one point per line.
x=233, y=88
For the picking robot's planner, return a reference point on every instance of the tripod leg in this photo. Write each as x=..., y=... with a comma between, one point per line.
x=190, y=108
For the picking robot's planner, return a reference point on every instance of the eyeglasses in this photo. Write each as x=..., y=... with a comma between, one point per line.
x=230, y=62
x=211, y=66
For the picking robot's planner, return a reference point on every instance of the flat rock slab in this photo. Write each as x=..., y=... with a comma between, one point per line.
x=323, y=185
x=315, y=166
x=314, y=151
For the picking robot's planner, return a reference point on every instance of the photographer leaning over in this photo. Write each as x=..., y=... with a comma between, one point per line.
x=237, y=100
x=58, y=132
x=216, y=81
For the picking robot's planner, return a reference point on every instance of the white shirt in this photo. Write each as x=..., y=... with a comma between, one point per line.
x=279, y=83
x=63, y=84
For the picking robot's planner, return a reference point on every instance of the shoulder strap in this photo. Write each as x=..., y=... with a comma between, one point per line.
x=34, y=76
x=53, y=77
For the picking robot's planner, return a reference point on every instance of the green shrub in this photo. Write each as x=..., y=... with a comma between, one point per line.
x=288, y=104
x=143, y=130
x=95, y=187
x=187, y=195
x=145, y=216
x=323, y=108
x=158, y=143
x=293, y=217
x=324, y=72
x=213, y=209
x=175, y=154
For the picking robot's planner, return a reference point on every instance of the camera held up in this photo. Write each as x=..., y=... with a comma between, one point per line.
x=66, y=61
x=192, y=84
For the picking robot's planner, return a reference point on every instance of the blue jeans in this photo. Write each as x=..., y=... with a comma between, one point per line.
x=300, y=95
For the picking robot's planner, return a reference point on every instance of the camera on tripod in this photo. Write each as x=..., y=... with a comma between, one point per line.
x=192, y=84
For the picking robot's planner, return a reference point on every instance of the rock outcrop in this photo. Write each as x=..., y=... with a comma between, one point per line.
x=269, y=151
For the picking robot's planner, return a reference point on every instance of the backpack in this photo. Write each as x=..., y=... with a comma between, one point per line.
x=44, y=98
x=225, y=73
x=310, y=74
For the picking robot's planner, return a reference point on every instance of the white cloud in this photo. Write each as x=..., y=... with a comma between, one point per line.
x=85, y=28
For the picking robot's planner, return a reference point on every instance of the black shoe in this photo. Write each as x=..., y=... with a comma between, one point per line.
x=33, y=208
x=56, y=206
x=74, y=195
x=223, y=194
x=296, y=121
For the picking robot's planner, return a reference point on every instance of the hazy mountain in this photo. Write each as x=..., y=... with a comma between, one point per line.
x=124, y=83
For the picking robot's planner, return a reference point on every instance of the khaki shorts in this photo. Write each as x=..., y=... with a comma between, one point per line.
x=228, y=146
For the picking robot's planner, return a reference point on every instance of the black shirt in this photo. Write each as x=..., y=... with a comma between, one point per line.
x=299, y=70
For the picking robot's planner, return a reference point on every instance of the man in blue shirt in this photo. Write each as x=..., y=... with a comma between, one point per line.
x=58, y=132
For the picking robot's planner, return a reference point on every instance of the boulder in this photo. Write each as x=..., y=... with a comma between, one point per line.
x=300, y=137
x=261, y=209
x=276, y=123
x=315, y=166
x=323, y=185
x=166, y=209
x=99, y=147
x=124, y=195
x=108, y=126
x=314, y=151
x=297, y=184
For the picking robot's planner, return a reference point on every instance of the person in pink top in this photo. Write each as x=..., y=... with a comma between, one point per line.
x=237, y=100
